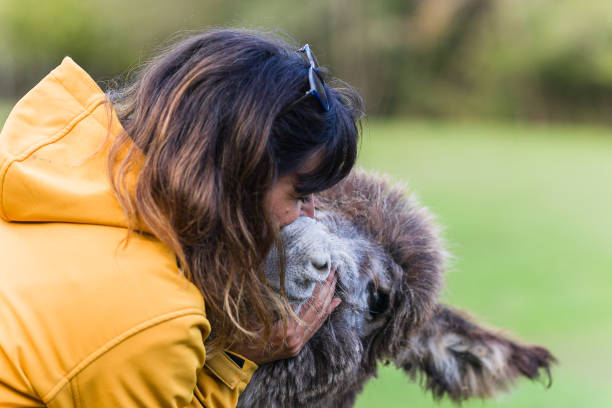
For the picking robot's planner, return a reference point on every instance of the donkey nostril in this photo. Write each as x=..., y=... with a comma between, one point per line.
x=321, y=266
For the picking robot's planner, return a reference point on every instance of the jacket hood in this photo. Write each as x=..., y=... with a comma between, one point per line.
x=53, y=153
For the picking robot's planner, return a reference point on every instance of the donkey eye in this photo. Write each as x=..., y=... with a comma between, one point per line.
x=378, y=301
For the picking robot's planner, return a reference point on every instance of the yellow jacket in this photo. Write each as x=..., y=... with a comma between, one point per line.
x=84, y=321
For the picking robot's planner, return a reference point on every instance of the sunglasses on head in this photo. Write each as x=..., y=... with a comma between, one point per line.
x=317, y=86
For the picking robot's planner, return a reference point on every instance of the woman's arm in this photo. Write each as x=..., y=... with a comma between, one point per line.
x=154, y=366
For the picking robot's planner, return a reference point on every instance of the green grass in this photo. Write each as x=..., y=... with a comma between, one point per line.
x=527, y=211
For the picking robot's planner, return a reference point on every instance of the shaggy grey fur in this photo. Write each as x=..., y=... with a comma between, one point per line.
x=390, y=261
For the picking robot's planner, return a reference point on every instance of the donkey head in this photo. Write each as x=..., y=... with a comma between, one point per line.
x=390, y=261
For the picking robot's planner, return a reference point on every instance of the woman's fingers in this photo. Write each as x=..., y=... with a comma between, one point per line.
x=311, y=317
x=321, y=304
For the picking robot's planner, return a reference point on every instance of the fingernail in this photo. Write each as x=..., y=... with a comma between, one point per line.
x=336, y=302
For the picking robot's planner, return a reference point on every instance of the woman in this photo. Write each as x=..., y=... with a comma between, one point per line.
x=109, y=289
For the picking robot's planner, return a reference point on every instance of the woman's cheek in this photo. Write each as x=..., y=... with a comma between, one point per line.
x=290, y=214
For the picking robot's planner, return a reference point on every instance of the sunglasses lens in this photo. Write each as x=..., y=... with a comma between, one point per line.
x=316, y=85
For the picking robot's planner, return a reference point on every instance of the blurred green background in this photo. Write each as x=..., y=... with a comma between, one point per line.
x=510, y=59
x=495, y=112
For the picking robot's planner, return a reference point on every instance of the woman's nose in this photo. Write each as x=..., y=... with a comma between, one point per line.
x=308, y=208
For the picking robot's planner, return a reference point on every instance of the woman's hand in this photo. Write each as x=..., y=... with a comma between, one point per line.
x=313, y=313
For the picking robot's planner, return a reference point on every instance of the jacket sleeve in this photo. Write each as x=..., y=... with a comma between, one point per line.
x=154, y=367
x=222, y=380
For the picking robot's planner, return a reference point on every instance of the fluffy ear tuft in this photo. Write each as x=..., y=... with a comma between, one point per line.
x=530, y=360
x=452, y=356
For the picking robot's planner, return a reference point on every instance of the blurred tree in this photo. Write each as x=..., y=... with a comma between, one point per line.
x=104, y=37
x=546, y=59
x=37, y=32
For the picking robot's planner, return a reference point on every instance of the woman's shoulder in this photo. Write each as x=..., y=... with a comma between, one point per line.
x=76, y=292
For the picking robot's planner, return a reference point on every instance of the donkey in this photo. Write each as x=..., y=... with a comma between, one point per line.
x=390, y=262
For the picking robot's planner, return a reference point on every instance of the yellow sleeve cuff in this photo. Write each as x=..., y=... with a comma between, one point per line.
x=222, y=380
x=229, y=372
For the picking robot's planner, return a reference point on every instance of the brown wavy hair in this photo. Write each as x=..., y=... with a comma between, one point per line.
x=207, y=128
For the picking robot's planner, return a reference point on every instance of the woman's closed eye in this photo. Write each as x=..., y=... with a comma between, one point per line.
x=305, y=199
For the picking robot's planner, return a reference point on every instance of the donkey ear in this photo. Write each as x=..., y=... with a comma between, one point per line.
x=454, y=357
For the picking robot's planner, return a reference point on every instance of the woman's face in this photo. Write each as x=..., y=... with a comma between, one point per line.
x=285, y=205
